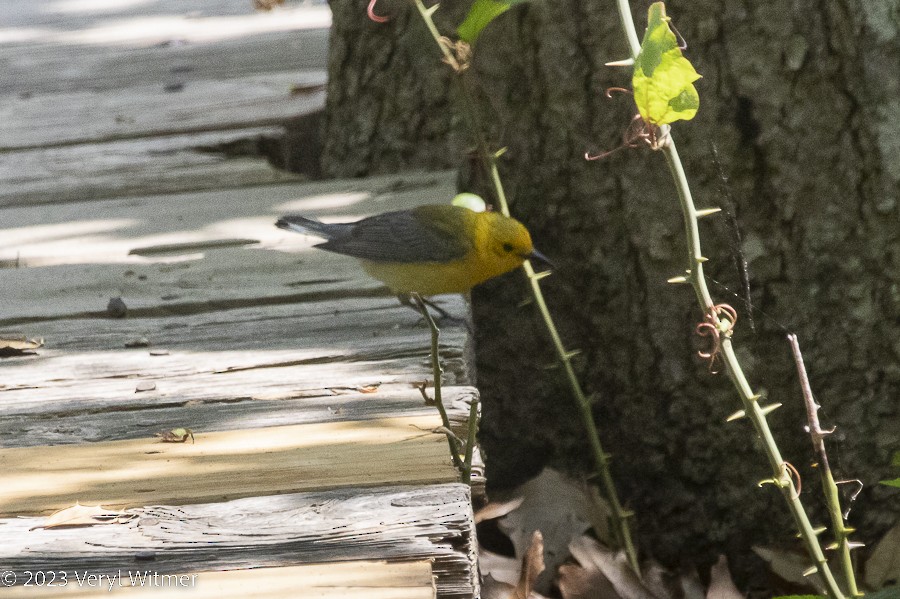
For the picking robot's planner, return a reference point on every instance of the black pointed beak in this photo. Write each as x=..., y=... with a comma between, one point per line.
x=539, y=257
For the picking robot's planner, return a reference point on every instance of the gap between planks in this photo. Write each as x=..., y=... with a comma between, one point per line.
x=225, y=465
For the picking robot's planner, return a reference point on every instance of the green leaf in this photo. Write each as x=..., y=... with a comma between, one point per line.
x=480, y=15
x=800, y=597
x=895, y=461
x=663, y=78
x=891, y=483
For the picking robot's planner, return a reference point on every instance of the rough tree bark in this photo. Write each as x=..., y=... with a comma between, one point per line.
x=802, y=104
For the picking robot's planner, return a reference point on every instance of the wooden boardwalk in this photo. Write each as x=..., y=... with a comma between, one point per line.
x=314, y=469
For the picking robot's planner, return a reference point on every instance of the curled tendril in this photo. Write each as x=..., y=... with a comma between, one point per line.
x=682, y=43
x=618, y=90
x=852, y=495
x=795, y=476
x=372, y=16
x=720, y=320
x=637, y=133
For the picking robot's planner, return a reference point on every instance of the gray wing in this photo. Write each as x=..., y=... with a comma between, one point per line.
x=400, y=237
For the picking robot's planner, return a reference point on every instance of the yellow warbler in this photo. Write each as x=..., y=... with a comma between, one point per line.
x=428, y=250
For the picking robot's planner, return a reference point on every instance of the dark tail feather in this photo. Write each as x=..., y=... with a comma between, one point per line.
x=300, y=224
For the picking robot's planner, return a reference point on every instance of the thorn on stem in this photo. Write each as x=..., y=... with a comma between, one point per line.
x=571, y=354
x=770, y=408
x=625, y=62
x=736, y=416
x=708, y=212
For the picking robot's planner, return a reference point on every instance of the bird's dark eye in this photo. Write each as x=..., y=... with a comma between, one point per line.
x=507, y=247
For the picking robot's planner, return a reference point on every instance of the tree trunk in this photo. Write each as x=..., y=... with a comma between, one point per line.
x=802, y=105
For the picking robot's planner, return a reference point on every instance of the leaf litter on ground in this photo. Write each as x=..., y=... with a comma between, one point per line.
x=562, y=510
x=84, y=515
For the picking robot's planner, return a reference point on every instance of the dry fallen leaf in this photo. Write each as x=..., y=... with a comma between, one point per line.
x=508, y=578
x=720, y=584
x=790, y=566
x=16, y=345
x=497, y=509
x=84, y=515
x=883, y=565
x=176, y=435
x=584, y=582
x=614, y=566
x=557, y=506
x=602, y=573
x=532, y=566
x=500, y=568
x=690, y=586
x=664, y=583
x=492, y=588
x=266, y=5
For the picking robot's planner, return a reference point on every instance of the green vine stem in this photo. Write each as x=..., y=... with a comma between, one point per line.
x=842, y=543
x=621, y=528
x=620, y=516
x=757, y=414
x=470, y=440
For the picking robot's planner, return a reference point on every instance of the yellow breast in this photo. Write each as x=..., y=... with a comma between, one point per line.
x=429, y=278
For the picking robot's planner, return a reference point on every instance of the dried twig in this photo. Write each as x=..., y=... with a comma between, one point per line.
x=829, y=487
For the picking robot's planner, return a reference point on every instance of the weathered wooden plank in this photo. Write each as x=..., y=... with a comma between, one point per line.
x=42, y=62
x=91, y=251
x=351, y=580
x=218, y=343
x=43, y=19
x=392, y=523
x=155, y=165
x=141, y=110
x=225, y=465
x=69, y=422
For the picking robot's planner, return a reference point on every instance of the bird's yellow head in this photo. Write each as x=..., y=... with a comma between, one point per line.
x=504, y=243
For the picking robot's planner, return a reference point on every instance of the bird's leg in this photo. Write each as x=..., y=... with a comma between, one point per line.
x=406, y=300
x=443, y=313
